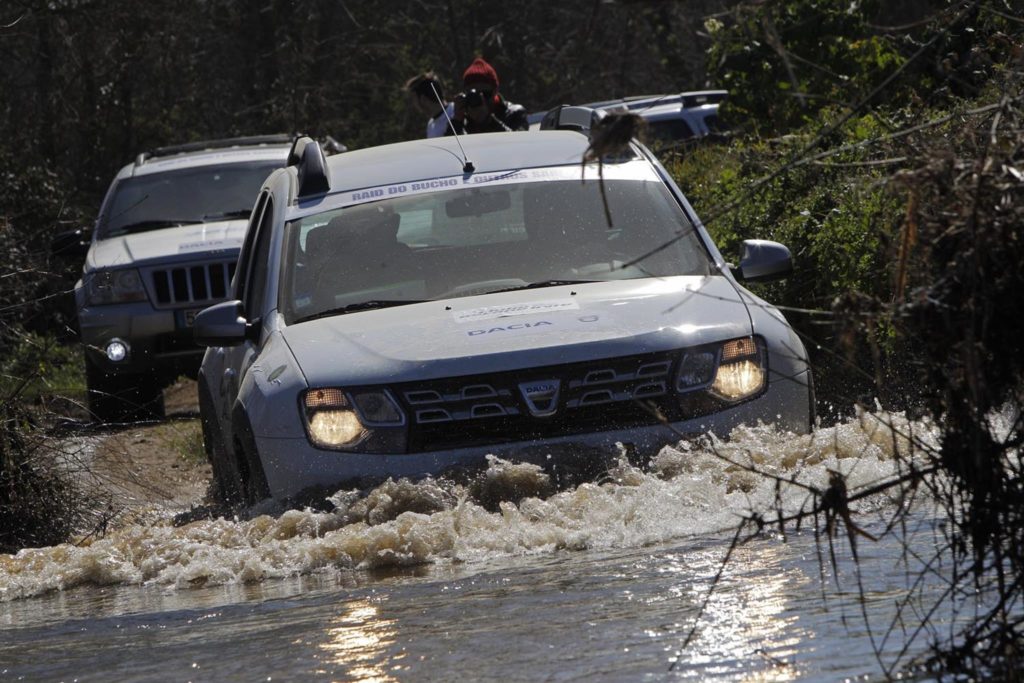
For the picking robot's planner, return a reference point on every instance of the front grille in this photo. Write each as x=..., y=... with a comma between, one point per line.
x=616, y=393
x=192, y=285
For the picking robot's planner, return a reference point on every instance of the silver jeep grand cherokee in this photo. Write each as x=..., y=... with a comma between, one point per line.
x=163, y=247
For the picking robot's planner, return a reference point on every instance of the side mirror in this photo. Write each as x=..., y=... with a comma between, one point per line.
x=73, y=243
x=763, y=261
x=222, y=324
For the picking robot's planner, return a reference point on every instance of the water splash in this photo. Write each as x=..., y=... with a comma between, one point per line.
x=509, y=509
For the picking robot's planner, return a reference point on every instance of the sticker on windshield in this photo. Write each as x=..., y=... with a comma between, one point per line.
x=510, y=310
x=635, y=170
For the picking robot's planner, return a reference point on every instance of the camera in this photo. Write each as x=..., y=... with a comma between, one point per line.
x=474, y=97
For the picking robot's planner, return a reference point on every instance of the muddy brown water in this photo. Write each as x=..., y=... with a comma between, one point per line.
x=606, y=581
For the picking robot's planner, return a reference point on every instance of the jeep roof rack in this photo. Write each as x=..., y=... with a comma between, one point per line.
x=693, y=98
x=244, y=141
x=311, y=165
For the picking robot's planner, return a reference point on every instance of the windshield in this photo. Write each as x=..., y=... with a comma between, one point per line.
x=189, y=195
x=479, y=240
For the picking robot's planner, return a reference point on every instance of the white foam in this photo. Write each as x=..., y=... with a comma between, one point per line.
x=689, y=489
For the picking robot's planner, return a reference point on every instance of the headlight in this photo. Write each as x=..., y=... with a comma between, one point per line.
x=339, y=419
x=741, y=371
x=732, y=371
x=114, y=287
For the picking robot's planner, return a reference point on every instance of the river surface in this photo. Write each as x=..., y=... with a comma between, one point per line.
x=505, y=579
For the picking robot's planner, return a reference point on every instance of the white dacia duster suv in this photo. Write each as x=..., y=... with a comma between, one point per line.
x=405, y=310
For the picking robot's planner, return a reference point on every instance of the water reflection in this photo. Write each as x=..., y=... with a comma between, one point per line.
x=750, y=617
x=358, y=641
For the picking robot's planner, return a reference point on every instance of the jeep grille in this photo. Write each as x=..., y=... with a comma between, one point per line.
x=193, y=284
x=603, y=395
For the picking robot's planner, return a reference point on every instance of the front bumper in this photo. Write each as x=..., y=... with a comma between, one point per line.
x=293, y=466
x=159, y=341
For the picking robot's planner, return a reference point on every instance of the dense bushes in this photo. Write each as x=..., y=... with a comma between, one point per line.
x=905, y=212
x=40, y=501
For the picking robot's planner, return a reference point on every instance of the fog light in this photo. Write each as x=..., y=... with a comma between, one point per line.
x=116, y=350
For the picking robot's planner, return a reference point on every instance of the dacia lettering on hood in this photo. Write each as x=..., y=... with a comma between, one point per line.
x=511, y=327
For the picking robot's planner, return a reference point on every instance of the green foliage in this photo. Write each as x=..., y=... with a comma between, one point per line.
x=36, y=367
x=782, y=62
x=837, y=220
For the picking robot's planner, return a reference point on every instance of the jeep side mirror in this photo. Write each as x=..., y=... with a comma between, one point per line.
x=73, y=243
x=763, y=261
x=222, y=324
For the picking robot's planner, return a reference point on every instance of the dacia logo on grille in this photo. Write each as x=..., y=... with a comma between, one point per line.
x=541, y=397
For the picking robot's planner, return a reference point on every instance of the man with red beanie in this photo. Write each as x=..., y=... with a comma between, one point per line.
x=479, y=108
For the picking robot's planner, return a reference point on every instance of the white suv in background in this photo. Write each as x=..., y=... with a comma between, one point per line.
x=163, y=247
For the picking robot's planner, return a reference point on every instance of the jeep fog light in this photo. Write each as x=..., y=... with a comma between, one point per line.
x=116, y=350
x=331, y=421
x=742, y=371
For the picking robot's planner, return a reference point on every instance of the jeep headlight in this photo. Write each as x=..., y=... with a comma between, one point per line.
x=340, y=419
x=732, y=371
x=113, y=287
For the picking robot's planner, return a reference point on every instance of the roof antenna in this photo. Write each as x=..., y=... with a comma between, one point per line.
x=468, y=166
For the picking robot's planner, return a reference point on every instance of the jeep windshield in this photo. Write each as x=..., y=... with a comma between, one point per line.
x=167, y=199
x=479, y=240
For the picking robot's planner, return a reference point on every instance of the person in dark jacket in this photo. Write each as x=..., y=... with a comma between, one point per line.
x=480, y=108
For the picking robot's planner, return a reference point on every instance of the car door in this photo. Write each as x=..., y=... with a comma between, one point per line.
x=250, y=289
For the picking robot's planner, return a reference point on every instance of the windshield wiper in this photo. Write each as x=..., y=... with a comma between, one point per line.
x=545, y=283
x=237, y=213
x=360, y=306
x=143, y=226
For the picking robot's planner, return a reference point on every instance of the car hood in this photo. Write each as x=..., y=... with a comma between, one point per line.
x=184, y=243
x=512, y=330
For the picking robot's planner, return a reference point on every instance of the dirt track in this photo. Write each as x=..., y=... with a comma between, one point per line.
x=153, y=468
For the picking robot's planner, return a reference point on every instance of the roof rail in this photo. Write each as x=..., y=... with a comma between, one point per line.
x=567, y=117
x=311, y=165
x=244, y=141
x=699, y=97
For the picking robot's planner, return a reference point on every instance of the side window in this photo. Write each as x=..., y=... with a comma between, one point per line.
x=245, y=256
x=256, y=274
x=670, y=130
